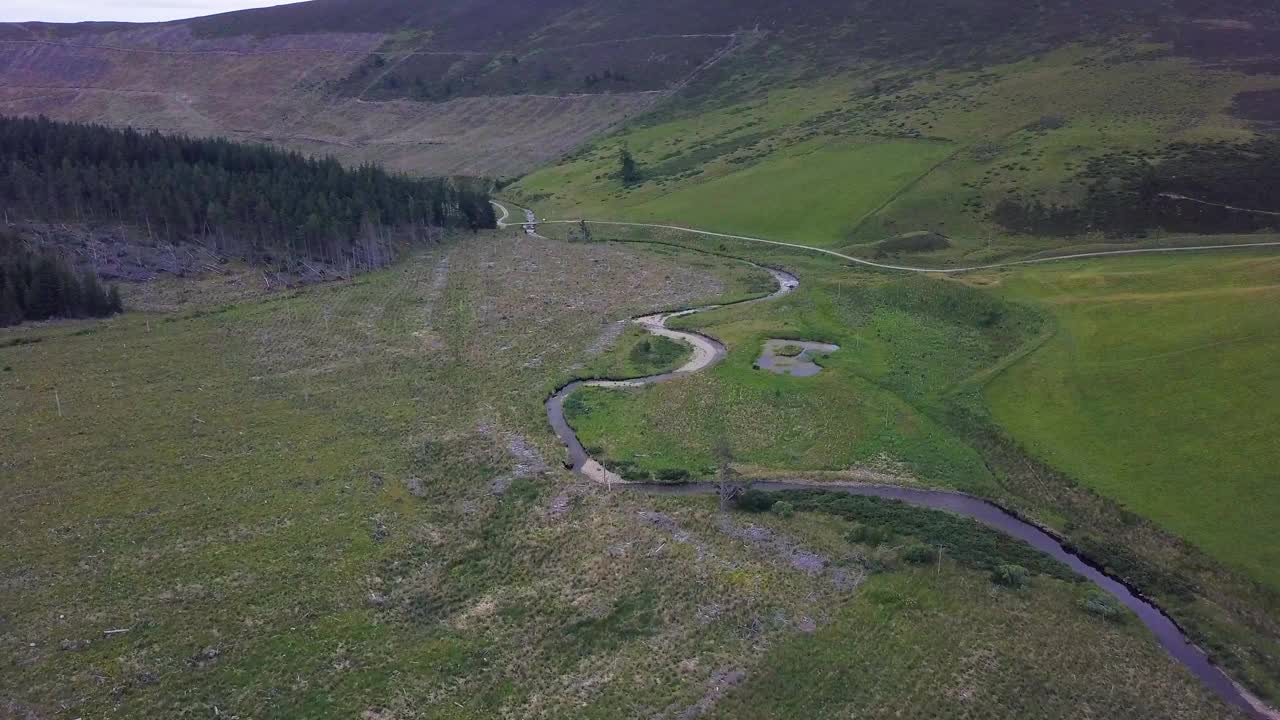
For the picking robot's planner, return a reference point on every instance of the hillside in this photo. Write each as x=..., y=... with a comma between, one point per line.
x=281, y=90
x=1099, y=140
x=500, y=88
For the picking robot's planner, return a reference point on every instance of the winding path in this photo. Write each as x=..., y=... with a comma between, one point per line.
x=707, y=351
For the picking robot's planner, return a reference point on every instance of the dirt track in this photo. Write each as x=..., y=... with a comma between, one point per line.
x=934, y=271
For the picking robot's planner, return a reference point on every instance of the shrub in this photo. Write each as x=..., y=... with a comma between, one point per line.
x=656, y=352
x=782, y=508
x=919, y=554
x=789, y=350
x=1129, y=193
x=755, y=501
x=1010, y=576
x=869, y=534
x=1103, y=605
x=632, y=473
x=627, y=470
x=1048, y=122
x=967, y=541
x=880, y=560
x=914, y=243
x=673, y=475
x=948, y=302
x=15, y=342
x=892, y=599
x=575, y=406
x=1141, y=573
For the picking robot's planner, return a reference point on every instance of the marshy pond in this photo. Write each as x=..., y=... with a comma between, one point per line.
x=793, y=357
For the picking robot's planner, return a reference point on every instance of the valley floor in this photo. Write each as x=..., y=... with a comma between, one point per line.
x=905, y=401
x=344, y=501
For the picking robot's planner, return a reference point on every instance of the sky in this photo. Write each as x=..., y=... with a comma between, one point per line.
x=122, y=10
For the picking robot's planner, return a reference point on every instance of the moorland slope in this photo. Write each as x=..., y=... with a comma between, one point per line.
x=497, y=88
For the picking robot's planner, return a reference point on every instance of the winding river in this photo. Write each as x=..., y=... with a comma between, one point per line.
x=708, y=351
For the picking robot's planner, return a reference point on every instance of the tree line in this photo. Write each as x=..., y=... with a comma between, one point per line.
x=39, y=286
x=249, y=201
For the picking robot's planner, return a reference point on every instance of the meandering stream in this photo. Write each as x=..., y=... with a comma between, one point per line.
x=708, y=351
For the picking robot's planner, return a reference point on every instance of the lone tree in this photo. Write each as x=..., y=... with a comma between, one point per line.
x=728, y=485
x=628, y=171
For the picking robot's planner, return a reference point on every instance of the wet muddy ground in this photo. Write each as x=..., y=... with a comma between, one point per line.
x=793, y=357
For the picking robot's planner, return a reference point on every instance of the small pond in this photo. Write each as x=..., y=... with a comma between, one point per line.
x=793, y=357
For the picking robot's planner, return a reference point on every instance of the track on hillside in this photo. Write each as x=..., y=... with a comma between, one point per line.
x=929, y=270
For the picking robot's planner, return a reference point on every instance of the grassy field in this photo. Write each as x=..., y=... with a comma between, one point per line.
x=1154, y=391
x=900, y=339
x=848, y=160
x=810, y=193
x=344, y=501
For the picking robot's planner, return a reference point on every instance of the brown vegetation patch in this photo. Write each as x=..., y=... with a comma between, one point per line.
x=786, y=551
x=627, y=66
x=1260, y=107
x=1222, y=39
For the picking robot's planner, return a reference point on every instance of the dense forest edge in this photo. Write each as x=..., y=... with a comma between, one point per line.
x=250, y=202
x=40, y=286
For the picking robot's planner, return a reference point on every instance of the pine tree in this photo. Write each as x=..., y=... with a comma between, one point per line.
x=44, y=295
x=94, y=298
x=73, y=300
x=627, y=169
